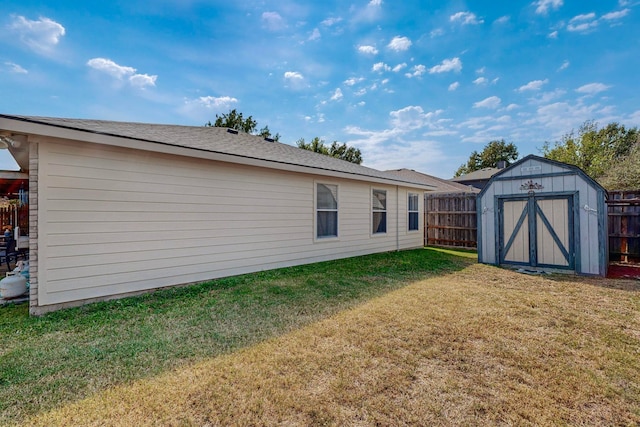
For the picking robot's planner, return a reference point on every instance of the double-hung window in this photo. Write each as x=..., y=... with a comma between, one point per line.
x=414, y=219
x=379, y=211
x=326, y=210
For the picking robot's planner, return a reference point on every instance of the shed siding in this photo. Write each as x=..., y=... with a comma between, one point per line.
x=114, y=221
x=556, y=179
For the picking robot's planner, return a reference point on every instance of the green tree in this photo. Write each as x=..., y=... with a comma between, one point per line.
x=596, y=151
x=625, y=173
x=344, y=152
x=489, y=157
x=235, y=120
x=337, y=150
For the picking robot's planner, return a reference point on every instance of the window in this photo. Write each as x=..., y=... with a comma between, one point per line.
x=414, y=220
x=379, y=210
x=326, y=210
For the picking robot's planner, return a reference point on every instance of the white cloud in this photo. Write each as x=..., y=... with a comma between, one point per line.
x=329, y=22
x=403, y=143
x=453, y=64
x=543, y=6
x=371, y=12
x=502, y=20
x=142, y=80
x=546, y=97
x=417, y=71
x=15, y=68
x=564, y=65
x=353, y=80
x=436, y=33
x=553, y=35
x=369, y=50
x=561, y=116
x=380, y=67
x=110, y=67
x=511, y=107
x=453, y=86
x=399, y=43
x=41, y=35
x=616, y=15
x=412, y=117
x=533, y=85
x=122, y=72
x=293, y=75
x=400, y=67
x=592, y=88
x=315, y=34
x=492, y=102
x=202, y=107
x=466, y=18
x=480, y=81
x=582, y=23
x=216, y=103
x=273, y=21
x=337, y=95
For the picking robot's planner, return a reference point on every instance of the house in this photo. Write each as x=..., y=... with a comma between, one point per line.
x=116, y=209
x=439, y=185
x=450, y=211
x=481, y=177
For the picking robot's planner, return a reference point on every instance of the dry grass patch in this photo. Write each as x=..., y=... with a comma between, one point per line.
x=475, y=347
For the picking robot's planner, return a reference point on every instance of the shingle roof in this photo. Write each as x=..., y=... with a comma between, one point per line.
x=439, y=184
x=485, y=173
x=215, y=140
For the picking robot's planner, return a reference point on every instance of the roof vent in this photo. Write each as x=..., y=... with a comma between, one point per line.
x=270, y=140
x=233, y=131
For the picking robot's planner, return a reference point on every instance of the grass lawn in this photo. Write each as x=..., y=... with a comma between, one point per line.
x=422, y=337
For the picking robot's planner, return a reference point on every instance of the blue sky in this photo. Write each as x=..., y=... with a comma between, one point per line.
x=415, y=83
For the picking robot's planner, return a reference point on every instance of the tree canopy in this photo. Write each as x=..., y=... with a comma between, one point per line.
x=610, y=155
x=235, y=120
x=337, y=150
x=489, y=157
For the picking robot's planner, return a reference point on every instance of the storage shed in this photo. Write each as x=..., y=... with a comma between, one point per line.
x=543, y=215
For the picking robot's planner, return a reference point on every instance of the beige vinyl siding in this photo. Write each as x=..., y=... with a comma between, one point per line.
x=114, y=220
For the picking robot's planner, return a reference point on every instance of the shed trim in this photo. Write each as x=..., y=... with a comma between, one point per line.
x=577, y=170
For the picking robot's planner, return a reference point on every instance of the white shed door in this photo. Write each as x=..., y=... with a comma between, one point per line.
x=537, y=231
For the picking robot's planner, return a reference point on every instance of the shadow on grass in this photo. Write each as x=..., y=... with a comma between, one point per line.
x=70, y=354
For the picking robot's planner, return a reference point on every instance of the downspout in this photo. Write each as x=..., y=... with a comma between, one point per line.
x=397, y=218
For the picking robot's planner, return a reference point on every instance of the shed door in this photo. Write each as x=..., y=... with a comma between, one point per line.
x=537, y=231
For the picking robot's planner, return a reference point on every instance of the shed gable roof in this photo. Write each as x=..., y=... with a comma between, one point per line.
x=573, y=168
x=213, y=140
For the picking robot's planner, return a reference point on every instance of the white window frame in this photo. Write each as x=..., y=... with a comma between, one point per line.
x=317, y=210
x=415, y=211
x=384, y=212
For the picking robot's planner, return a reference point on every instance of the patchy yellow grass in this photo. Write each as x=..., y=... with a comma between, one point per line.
x=476, y=347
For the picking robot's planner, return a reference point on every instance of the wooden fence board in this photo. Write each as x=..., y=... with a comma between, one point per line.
x=450, y=220
x=624, y=226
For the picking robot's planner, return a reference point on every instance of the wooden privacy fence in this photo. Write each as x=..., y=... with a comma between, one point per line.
x=450, y=220
x=624, y=226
